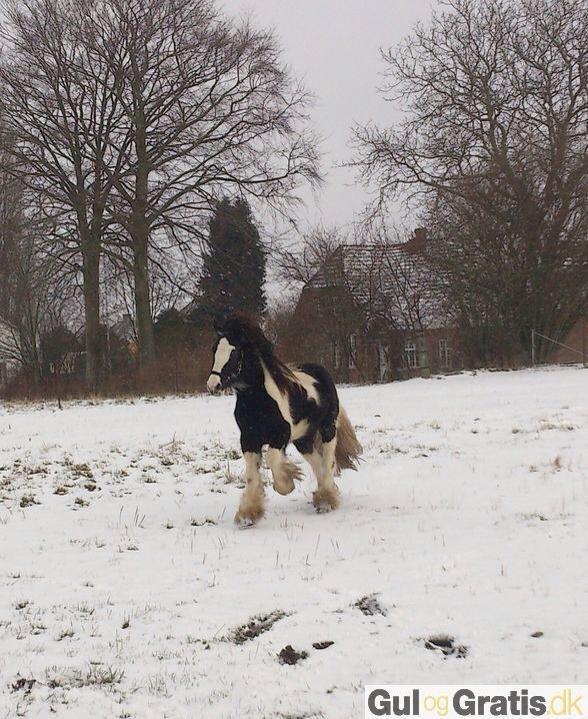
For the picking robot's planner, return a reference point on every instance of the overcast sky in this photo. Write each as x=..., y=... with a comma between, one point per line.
x=334, y=46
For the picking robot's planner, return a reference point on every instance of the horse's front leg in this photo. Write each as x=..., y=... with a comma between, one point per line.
x=252, y=505
x=283, y=471
x=319, y=452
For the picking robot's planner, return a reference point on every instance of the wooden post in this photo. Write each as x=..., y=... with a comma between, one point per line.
x=533, y=347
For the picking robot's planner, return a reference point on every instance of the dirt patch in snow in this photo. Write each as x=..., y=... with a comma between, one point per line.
x=322, y=645
x=446, y=646
x=289, y=655
x=255, y=626
x=370, y=606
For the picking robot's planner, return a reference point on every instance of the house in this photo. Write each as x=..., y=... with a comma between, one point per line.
x=375, y=312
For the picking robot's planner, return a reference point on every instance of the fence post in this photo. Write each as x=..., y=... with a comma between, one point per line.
x=533, y=347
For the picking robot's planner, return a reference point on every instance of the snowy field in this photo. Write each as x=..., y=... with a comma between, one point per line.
x=126, y=590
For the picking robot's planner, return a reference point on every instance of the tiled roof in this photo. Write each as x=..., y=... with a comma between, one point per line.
x=391, y=281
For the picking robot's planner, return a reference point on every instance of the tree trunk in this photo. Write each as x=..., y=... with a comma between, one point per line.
x=91, y=256
x=143, y=300
x=140, y=237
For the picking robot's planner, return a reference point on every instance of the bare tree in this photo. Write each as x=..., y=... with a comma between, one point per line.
x=495, y=141
x=208, y=109
x=299, y=263
x=28, y=278
x=59, y=106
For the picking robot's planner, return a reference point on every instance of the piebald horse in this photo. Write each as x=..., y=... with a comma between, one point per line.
x=278, y=404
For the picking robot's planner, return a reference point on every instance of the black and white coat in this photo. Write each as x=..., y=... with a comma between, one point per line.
x=278, y=404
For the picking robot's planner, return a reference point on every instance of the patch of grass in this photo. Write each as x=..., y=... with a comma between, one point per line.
x=230, y=477
x=95, y=675
x=201, y=522
x=65, y=634
x=533, y=515
x=28, y=500
x=81, y=469
x=157, y=685
x=21, y=684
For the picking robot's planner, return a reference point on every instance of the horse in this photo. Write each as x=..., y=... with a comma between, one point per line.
x=278, y=404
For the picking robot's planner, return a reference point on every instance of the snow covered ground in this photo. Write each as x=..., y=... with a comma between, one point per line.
x=126, y=590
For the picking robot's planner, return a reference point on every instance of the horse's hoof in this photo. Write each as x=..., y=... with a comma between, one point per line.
x=248, y=517
x=284, y=487
x=325, y=500
x=244, y=522
x=323, y=508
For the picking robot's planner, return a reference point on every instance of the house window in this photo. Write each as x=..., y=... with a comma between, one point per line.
x=444, y=354
x=336, y=354
x=352, y=352
x=410, y=353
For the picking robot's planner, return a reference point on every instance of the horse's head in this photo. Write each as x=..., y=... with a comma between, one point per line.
x=235, y=336
x=227, y=354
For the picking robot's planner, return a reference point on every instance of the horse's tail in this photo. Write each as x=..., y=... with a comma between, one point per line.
x=348, y=449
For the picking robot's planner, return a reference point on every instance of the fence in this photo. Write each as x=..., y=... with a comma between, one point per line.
x=574, y=350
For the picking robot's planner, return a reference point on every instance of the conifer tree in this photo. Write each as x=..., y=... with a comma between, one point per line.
x=233, y=272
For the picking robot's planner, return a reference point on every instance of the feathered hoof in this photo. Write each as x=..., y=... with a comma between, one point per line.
x=284, y=486
x=250, y=511
x=244, y=522
x=325, y=500
x=284, y=477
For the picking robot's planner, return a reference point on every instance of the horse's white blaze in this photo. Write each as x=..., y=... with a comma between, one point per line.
x=298, y=429
x=221, y=357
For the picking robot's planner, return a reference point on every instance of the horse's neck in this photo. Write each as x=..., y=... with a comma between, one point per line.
x=251, y=375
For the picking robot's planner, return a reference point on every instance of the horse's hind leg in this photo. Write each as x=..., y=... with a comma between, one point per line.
x=326, y=496
x=252, y=505
x=283, y=471
x=321, y=457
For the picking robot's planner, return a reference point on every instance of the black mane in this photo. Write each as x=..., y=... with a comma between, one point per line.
x=251, y=335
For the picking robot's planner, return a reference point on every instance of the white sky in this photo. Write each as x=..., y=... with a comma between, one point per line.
x=334, y=46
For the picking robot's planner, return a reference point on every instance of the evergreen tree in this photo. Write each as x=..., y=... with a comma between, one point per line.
x=233, y=272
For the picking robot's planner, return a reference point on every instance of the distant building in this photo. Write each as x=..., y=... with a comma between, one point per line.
x=375, y=312
x=124, y=329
